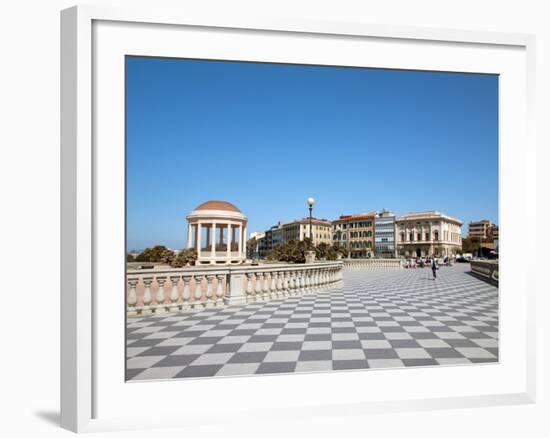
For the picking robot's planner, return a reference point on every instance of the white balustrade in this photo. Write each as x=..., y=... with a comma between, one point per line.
x=231, y=285
x=372, y=264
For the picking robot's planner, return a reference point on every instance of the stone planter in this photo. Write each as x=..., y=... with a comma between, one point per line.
x=310, y=256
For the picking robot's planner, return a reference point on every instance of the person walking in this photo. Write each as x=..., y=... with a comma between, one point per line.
x=434, y=268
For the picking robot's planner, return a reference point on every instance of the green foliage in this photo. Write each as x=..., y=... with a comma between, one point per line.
x=156, y=254
x=470, y=245
x=335, y=251
x=185, y=257
x=295, y=251
x=130, y=257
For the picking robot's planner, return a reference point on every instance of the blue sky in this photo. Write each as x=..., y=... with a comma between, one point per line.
x=267, y=136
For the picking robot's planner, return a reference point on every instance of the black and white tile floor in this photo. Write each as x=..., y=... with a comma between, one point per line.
x=378, y=319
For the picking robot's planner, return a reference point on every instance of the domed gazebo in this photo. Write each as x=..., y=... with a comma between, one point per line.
x=217, y=230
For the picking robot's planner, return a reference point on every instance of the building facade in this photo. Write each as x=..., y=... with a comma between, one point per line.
x=483, y=229
x=384, y=235
x=355, y=233
x=428, y=233
x=299, y=230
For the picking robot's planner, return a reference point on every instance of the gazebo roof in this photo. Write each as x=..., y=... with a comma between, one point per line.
x=217, y=205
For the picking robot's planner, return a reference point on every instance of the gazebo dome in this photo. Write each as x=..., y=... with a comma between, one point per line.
x=217, y=205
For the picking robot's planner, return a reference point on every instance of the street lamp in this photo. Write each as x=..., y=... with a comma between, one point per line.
x=310, y=202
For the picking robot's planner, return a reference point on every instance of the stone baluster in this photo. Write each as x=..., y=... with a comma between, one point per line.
x=186, y=295
x=197, y=304
x=317, y=279
x=298, y=288
x=280, y=284
x=147, y=298
x=303, y=279
x=286, y=283
x=249, y=289
x=265, y=286
x=161, y=307
x=273, y=285
x=291, y=283
x=258, y=288
x=132, y=295
x=209, y=291
x=219, y=291
x=307, y=281
x=174, y=295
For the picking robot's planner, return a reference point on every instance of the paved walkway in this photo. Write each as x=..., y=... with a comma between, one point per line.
x=378, y=319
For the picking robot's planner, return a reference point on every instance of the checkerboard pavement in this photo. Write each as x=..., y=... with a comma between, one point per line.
x=377, y=319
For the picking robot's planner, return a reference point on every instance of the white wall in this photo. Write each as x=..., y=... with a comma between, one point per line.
x=29, y=183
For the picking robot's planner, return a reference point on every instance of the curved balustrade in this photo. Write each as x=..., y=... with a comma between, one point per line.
x=372, y=264
x=194, y=289
x=485, y=268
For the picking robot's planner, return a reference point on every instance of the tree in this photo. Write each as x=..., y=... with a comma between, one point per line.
x=336, y=250
x=322, y=250
x=156, y=254
x=470, y=245
x=251, y=247
x=130, y=257
x=185, y=257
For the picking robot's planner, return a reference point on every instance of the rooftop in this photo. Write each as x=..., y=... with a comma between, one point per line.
x=218, y=205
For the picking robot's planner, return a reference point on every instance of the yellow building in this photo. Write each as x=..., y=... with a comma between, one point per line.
x=299, y=230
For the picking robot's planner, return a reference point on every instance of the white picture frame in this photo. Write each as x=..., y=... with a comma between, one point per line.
x=84, y=371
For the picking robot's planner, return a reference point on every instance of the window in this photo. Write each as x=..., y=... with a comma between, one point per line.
x=427, y=236
x=418, y=236
x=411, y=237
x=436, y=235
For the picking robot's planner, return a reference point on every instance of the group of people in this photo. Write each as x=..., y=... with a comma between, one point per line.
x=430, y=261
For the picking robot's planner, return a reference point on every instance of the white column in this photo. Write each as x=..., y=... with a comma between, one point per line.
x=213, y=243
x=189, y=235
x=198, y=239
x=240, y=240
x=228, y=242
x=243, y=253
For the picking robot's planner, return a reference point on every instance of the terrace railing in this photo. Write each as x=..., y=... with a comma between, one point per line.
x=373, y=264
x=485, y=268
x=193, y=289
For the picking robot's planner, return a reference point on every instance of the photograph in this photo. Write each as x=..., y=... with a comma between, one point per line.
x=295, y=218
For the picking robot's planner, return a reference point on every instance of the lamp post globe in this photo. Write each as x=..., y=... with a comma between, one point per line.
x=310, y=202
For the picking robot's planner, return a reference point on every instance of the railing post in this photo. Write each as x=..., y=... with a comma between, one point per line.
x=249, y=289
x=132, y=297
x=219, y=290
x=160, y=307
x=265, y=287
x=273, y=285
x=174, y=295
x=258, y=288
x=197, y=304
x=186, y=296
x=236, y=289
x=209, y=292
x=147, y=295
